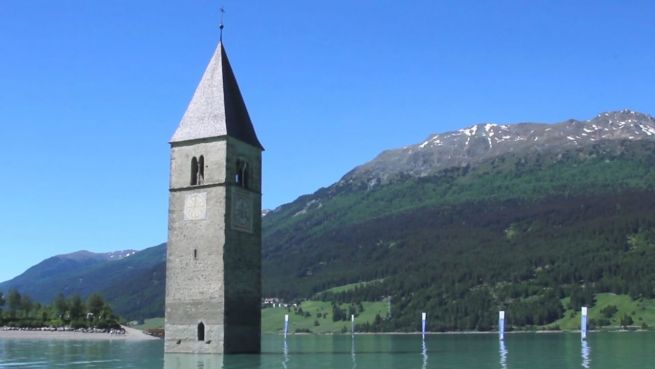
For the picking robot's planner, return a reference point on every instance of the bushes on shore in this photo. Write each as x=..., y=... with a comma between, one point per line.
x=21, y=311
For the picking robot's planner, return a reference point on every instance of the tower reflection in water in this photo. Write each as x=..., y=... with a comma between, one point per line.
x=190, y=361
x=179, y=361
x=503, y=355
x=586, y=354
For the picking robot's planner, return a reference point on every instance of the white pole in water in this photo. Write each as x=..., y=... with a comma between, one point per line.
x=423, y=318
x=286, y=325
x=583, y=323
x=352, y=323
x=501, y=325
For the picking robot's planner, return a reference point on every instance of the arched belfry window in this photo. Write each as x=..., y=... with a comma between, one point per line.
x=194, y=171
x=242, y=177
x=201, y=331
x=201, y=170
x=197, y=170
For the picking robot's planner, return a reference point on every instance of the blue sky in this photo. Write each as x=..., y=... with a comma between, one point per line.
x=91, y=91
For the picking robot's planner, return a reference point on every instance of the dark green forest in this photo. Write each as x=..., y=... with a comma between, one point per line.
x=518, y=233
x=21, y=311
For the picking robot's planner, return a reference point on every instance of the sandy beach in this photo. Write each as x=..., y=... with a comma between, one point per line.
x=131, y=334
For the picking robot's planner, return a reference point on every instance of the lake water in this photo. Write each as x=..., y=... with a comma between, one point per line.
x=519, y=351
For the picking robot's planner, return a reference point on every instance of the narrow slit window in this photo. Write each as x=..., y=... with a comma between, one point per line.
x=195, y=254
x=201, y=331
x=201, y=170
x=242, y=176
x=194, y=171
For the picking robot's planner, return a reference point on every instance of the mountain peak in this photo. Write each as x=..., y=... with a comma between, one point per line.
x=83, y=255
x=624, y=114
x=483, y=141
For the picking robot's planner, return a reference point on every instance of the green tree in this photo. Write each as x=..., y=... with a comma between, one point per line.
x=44, y=315
x=26, y=305
x=14, y=302
x=24, y=312
x=609, y=311
x=626, y=321
x=95, y=304
x=338, y=313
x=107, y=319
x=77, y=308
x=352, y=310
x=581, y=296
x=2, y=304
x=61, y=306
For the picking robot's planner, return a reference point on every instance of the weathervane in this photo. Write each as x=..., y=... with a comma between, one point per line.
x=222, y=25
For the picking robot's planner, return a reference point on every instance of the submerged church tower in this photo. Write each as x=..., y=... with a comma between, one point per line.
x=213, y=262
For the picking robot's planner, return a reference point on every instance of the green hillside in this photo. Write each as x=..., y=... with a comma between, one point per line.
x=612, y=165
x=318, y=317
x=608, y=311
x=518, y=233
x=606, y=314
x=349, y=287
x=308, y=317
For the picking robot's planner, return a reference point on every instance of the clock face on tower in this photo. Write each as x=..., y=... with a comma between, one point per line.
x=241, y=210
x=195, y=206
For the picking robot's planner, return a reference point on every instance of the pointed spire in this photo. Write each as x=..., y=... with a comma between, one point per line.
x=217, y=108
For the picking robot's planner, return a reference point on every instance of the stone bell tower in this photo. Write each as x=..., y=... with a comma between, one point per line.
x=213, y=262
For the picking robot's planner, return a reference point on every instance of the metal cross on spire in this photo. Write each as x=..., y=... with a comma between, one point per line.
x=222, y=25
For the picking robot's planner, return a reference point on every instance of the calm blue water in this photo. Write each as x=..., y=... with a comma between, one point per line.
x=529, y=351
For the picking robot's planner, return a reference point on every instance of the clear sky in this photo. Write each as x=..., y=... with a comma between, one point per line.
x=91, y=91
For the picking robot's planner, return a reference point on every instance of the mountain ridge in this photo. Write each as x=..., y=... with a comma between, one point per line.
x=476, y=143
x=469, y=146
x=84, y=272
x=86, y=254
x=571, y=206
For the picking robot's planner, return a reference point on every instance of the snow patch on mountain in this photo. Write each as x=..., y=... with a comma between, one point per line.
x=479, y=142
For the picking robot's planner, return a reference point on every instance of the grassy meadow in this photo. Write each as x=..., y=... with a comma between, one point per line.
x=313, y=316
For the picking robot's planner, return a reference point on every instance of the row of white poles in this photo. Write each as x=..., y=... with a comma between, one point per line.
x=583, y=324
x=501, y=324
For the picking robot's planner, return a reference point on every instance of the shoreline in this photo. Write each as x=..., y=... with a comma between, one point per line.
x=135, y=335
x=454, y=333
x=131, y=334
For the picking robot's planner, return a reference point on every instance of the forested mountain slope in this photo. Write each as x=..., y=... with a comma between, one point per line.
x=132, y=281
x=519, y=230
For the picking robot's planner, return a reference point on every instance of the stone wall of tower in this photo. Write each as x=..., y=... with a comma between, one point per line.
x=214, y=263
x=195, y=270
x=242, y=257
